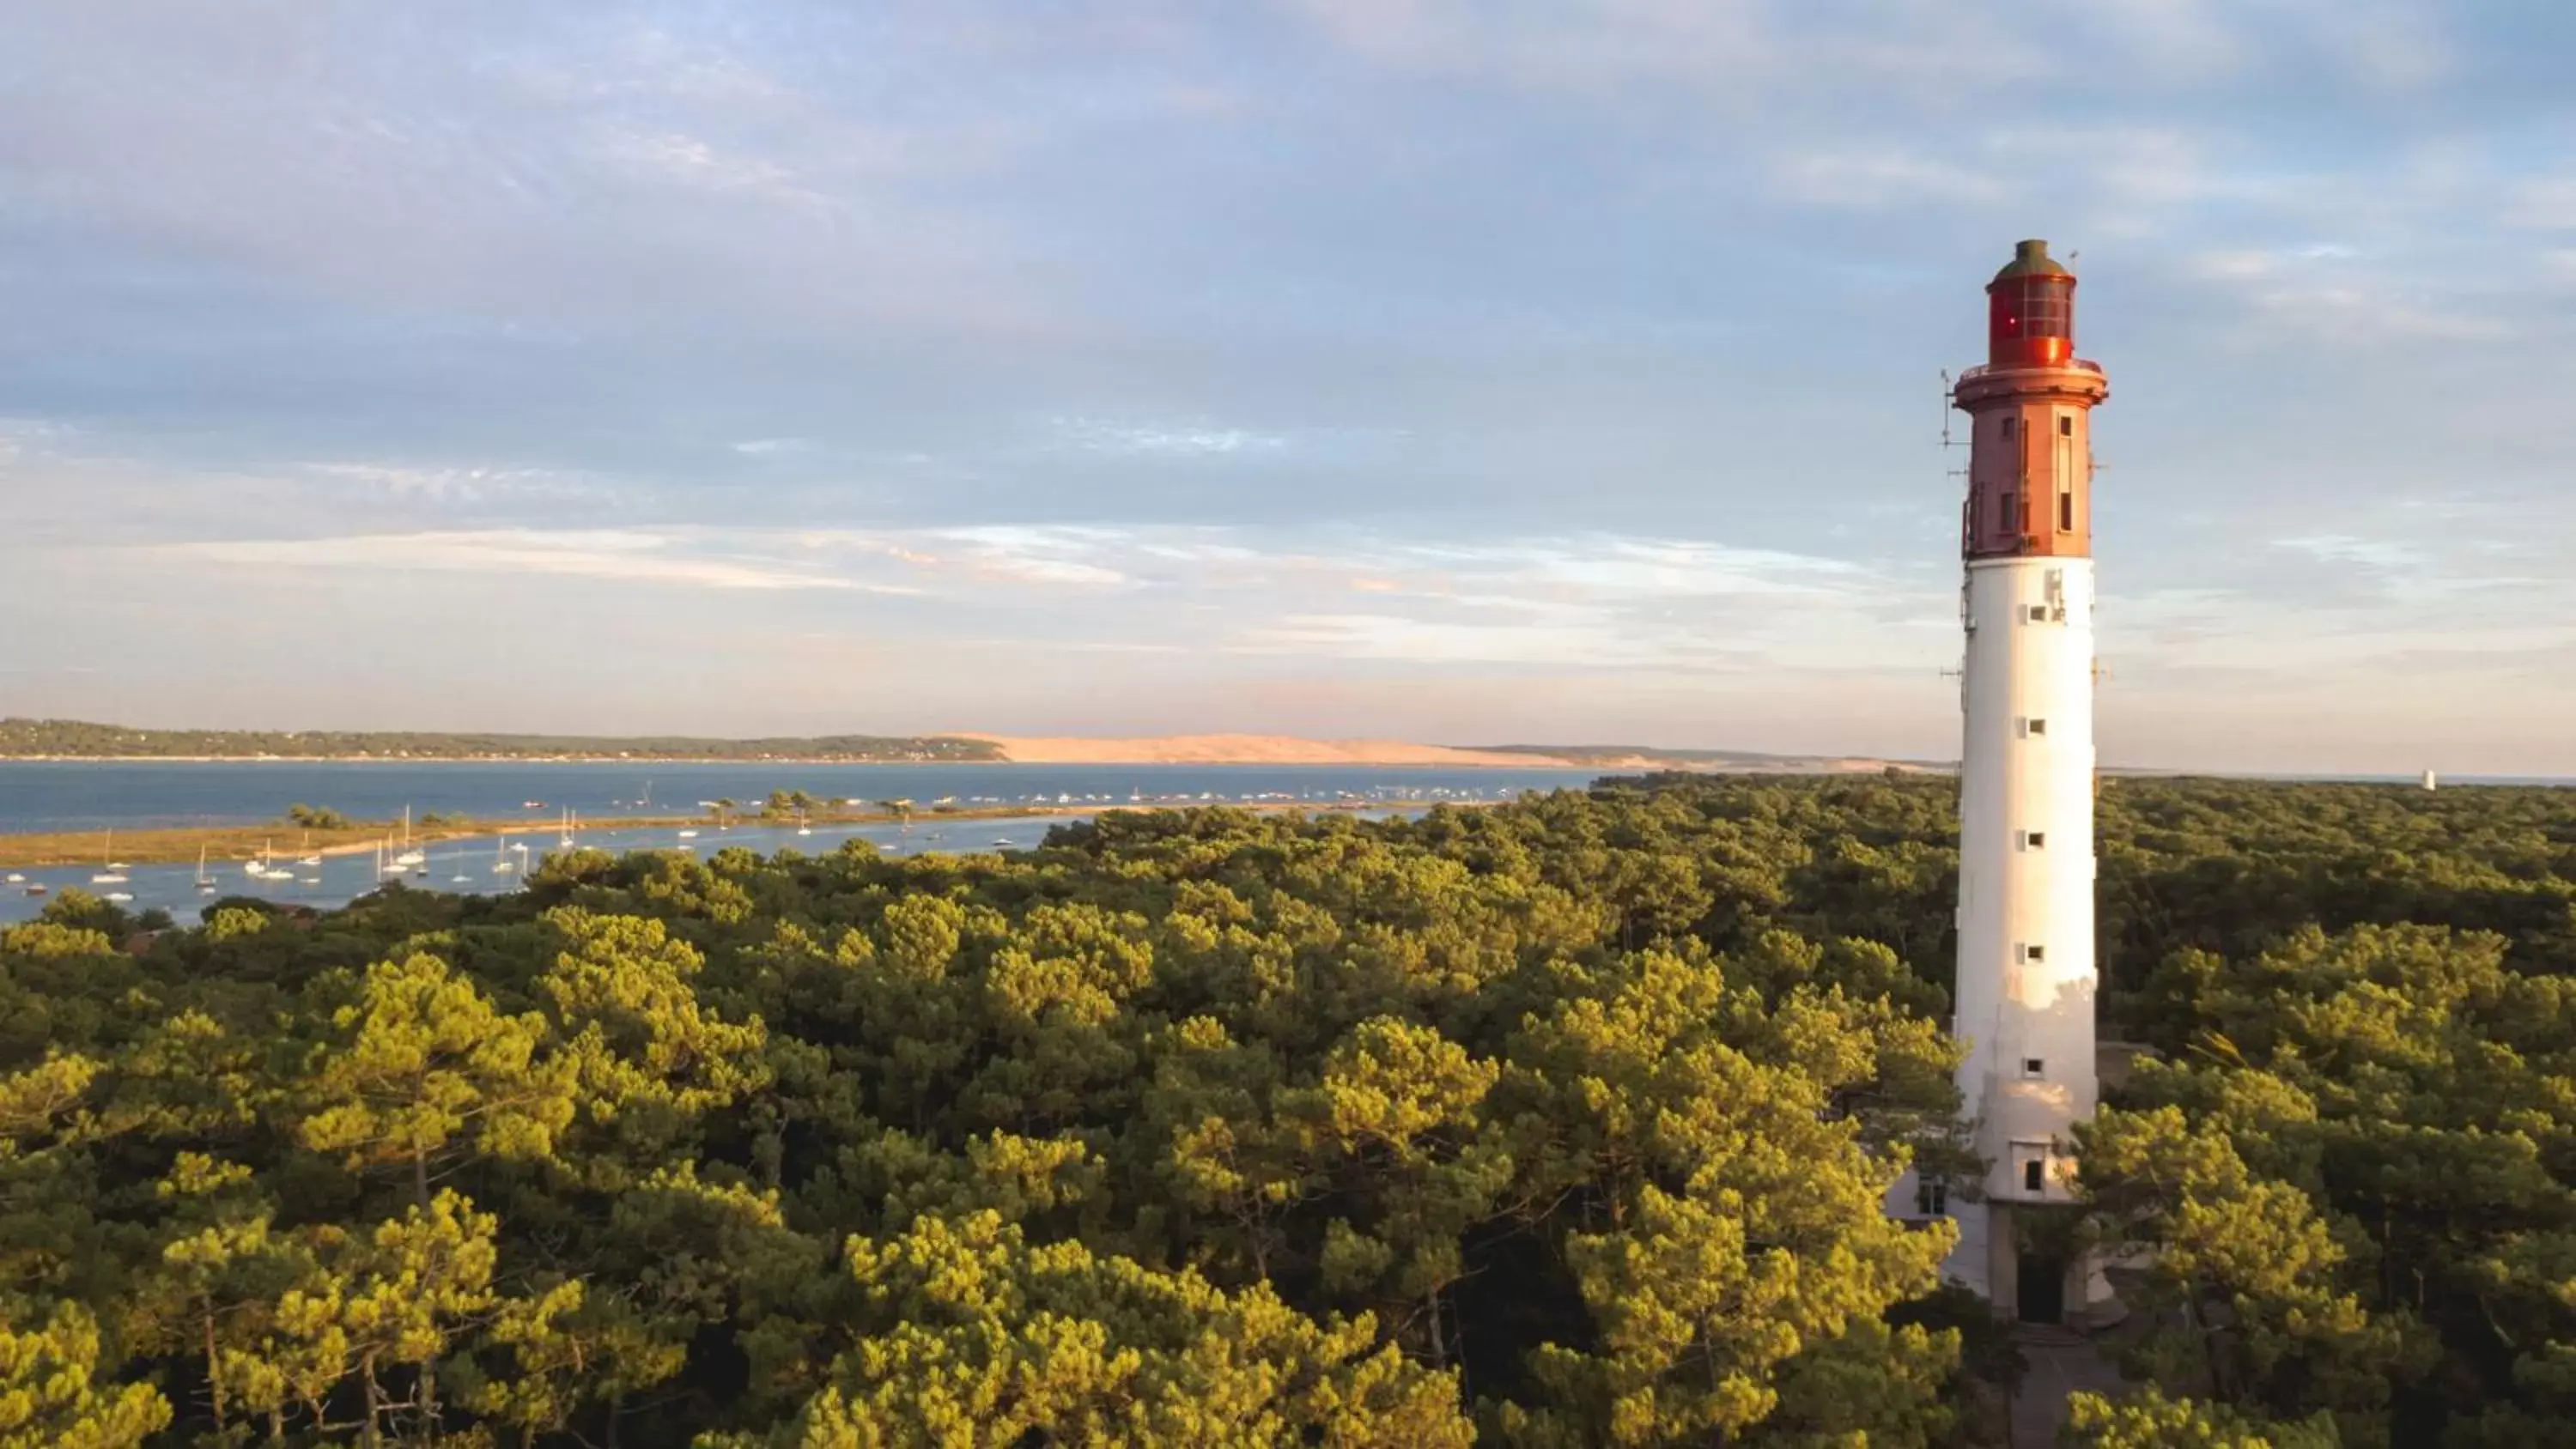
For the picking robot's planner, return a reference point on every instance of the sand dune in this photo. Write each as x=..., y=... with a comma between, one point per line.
x=1244, y=750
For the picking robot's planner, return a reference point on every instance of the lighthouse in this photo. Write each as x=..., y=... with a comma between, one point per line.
x=2026, y=976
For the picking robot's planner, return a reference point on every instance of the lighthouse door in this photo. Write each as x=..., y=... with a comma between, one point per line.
x=2041, y=1289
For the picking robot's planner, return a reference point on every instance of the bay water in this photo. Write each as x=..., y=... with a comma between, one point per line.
x=53, y=797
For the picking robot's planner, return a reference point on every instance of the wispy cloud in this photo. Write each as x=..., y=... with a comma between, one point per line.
x=2546, y=203
x=460, y=485
x=2332, y=290
x=694, y=161
x=1101, y=435
x=1879, y=176
x=1768, y=48
x=608, y=555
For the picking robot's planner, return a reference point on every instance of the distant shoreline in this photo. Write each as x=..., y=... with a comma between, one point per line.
x=470, y=760
x=65, y=742
x=1534, y=762
x=1467, y=760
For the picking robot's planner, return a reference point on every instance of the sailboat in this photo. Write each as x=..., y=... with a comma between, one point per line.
x=114, y=872
x=460, y=877
x=565, y=838
x=411, y=854
x=501, y=858
x=388, y=866
x=263, y=868
x=310, y=855
x=205, y=882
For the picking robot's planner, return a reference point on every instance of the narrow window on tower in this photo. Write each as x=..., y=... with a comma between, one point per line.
x=2039, y=613
x=2007, y=430
x=2066, y=425
x=2005, y=512
x=2038, y=839
x=2033, y=1175
x=2066, y=513
x=2033, y=1068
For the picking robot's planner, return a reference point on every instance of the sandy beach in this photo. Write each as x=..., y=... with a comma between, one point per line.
x=1245, y=750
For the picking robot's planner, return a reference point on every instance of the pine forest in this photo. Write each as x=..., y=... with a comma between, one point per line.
x=1568, y=1122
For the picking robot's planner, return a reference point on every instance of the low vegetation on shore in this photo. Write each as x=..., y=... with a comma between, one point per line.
x=1565, y=1122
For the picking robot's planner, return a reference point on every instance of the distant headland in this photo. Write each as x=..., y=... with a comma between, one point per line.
x=54, y=739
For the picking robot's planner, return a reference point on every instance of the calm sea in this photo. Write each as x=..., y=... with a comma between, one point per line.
x=50, y=798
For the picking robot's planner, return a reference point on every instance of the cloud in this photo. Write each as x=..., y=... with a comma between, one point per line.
x=622, y=556
x=1041, y=556
x=2334, y=291
x=2387, y=555
x=1591, y=600
x=694, y=162
x=1591, y=43
x=2542, y=203
x=20, y=436
x=1917, y=49
x=1102, y=436
x=458, y=484
x=1583, y=644
x=1594, y=601
x=2415, y=572
x=1877, y=176
x=503, y=165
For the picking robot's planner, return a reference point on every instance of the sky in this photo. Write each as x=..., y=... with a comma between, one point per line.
x=1456, y=370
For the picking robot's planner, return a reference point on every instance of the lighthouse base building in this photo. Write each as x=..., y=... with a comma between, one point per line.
x=2024, y=997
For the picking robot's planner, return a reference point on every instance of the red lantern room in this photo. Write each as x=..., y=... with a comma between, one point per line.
x=2030, y=454
x=2030, y=311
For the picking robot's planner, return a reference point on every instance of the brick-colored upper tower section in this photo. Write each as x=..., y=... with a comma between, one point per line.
x=2030, y=445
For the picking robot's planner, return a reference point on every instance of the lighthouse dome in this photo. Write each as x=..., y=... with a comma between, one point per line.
x=2031, y=259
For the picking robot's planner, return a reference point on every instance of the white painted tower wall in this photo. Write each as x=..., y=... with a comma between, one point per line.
x=2026, y=971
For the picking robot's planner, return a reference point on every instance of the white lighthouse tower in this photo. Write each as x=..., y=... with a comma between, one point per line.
x=2026, y=977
